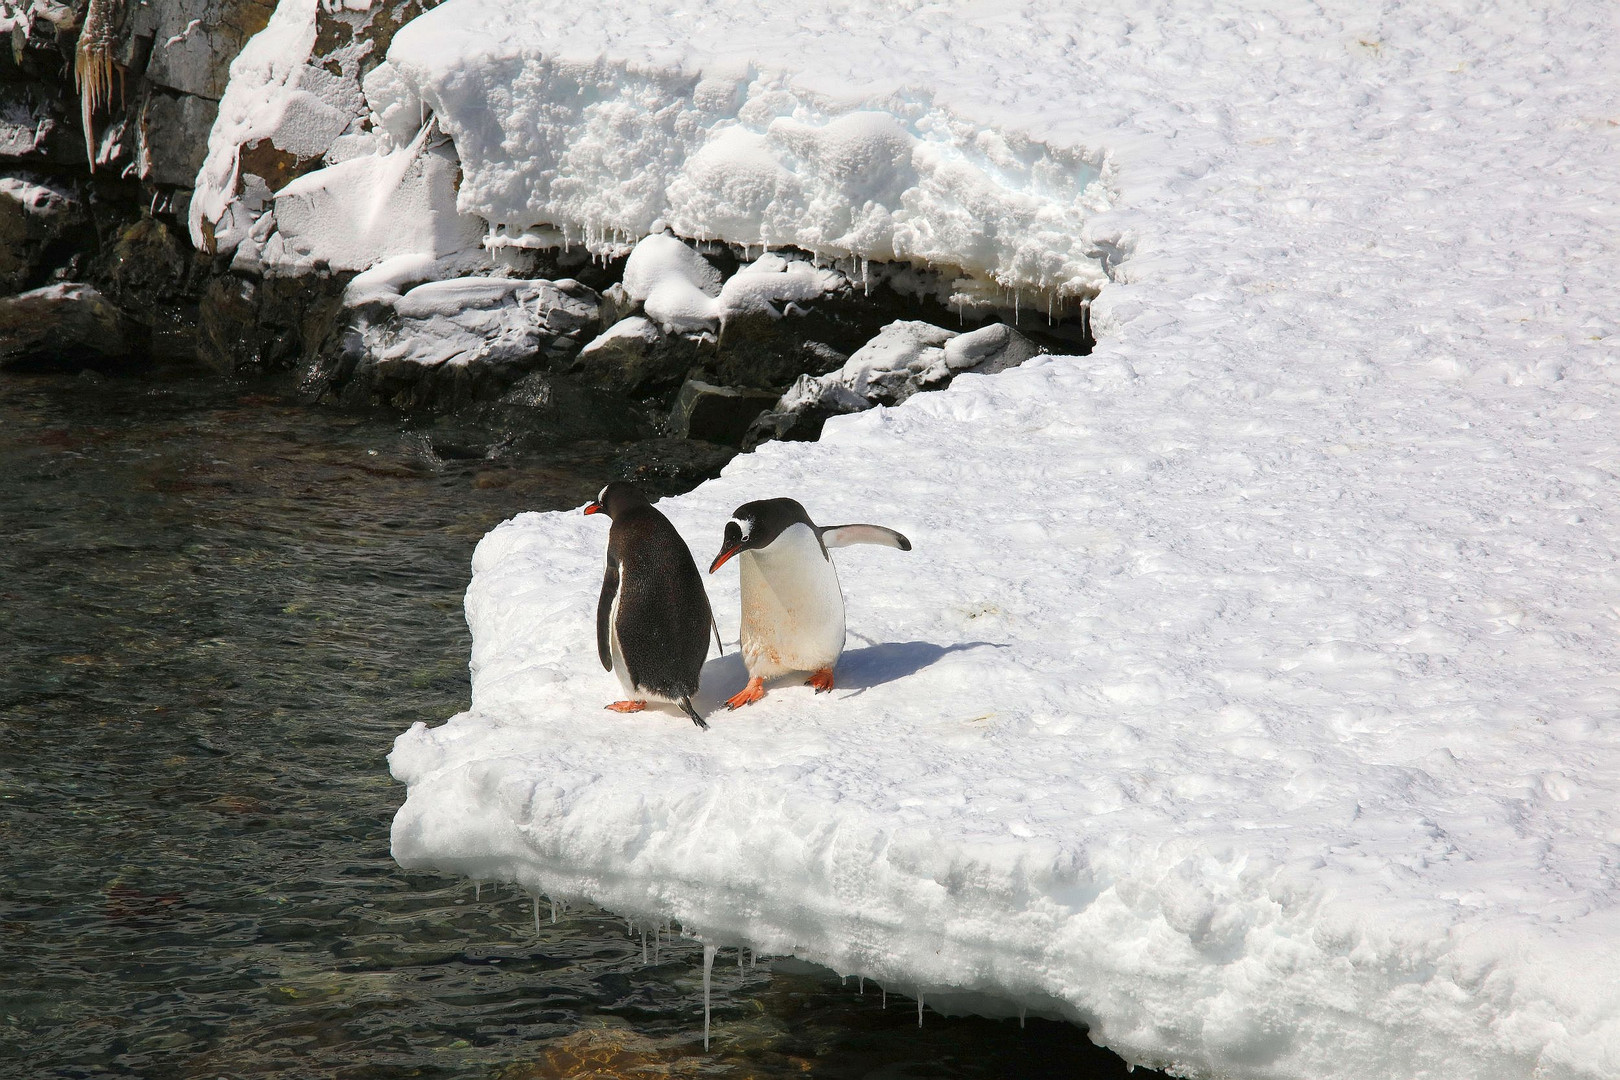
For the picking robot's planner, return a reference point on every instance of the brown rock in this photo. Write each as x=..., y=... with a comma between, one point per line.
x=63, y=326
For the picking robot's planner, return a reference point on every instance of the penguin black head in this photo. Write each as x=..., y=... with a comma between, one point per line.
x=757, y=525
x=616, y=498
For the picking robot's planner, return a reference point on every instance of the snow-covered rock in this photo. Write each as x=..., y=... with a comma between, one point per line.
x=1249, y=694
x=447, y=343
x=906, y=357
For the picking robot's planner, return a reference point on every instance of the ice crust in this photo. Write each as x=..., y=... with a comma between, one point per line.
x=1250, y=692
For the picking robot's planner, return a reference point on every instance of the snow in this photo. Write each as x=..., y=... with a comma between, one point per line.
x=1249, y=694
x=683, y=293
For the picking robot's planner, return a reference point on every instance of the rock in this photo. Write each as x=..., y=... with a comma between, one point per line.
x=988, y=350
x=63, y=327
x=42, y=227
x=906, y=357
x=545, y=409
x=246, y=324
x=671, y=465
x=717, y=414
x=171, y=137
x=635, y=357
x=446, y=344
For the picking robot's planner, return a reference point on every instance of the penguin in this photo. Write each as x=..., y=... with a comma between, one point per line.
x=653, y=619
x=792, y=607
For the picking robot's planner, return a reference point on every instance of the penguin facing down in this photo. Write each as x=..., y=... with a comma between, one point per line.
x=653, y=619
x=792, y=605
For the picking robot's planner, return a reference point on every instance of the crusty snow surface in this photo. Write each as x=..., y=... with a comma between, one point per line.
x=1251, y=691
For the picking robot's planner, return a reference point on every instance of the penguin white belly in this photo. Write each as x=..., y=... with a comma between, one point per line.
x=792, y=607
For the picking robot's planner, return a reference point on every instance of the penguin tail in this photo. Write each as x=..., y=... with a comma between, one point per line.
x=685, y=703
x=716, y=628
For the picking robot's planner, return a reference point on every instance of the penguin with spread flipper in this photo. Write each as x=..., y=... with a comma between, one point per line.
x=792, y=606
x=653, y=620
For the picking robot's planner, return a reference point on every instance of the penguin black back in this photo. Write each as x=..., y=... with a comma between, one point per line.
x=661, y=616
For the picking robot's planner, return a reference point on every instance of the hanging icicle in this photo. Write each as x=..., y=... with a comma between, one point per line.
x=93, y=66
x=919, y=1008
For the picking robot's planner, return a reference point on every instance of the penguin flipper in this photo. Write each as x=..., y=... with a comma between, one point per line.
x=685, y=703
x=844, y=535
x=604, y=614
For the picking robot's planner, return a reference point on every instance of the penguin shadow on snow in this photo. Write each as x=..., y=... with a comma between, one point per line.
x=858, y=669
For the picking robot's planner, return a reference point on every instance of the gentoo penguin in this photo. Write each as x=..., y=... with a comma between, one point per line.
x=653, y=620
x=792, y=607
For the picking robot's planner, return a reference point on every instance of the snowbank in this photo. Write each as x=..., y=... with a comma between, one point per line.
x=1249, y=693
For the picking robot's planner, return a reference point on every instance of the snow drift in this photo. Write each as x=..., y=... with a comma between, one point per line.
x=1249, y=694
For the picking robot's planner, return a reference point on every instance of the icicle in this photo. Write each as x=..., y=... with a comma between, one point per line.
x=1021, y=1011
x=740, y=951
x=861, y=986
x=708, y=966
x=478, y=890
x=919, y=1008
x=553, y=911
x=885, y=997
x=93, y=66
x=1016, y=295
x=643, y=948
x=536, y=898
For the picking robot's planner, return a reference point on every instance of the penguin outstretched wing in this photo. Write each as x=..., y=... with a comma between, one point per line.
x=834, y=536
x=604, y=613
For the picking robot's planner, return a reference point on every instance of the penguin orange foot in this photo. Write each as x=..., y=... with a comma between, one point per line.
x=821, y=680
x=627, y=706
x=748, y=694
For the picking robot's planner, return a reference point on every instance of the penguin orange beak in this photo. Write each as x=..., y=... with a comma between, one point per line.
x=725, y=553
x=593, y=508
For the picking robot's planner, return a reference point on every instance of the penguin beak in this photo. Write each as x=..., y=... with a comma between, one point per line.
x=725, y=553
x=593, y=508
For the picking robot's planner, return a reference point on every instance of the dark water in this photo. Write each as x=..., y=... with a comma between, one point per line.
x=218, y=606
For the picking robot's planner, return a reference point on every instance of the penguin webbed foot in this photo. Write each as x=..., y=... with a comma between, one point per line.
x=686, y=707
x=626, y=706
x=748, y=694
x=821, y=680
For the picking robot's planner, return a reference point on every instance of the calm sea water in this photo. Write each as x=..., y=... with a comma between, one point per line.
x=218, y=606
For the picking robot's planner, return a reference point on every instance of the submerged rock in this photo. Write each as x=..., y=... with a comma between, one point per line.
x=64, y=326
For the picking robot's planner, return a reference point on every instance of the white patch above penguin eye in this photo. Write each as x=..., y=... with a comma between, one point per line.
x=601, y=495
x=744, y=526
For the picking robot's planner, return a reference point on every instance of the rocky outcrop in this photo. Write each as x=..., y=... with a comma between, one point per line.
x=301, y=214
